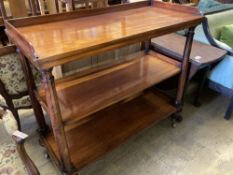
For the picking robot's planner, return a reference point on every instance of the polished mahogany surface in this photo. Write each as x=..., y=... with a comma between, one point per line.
x=80, y=97
x=173, y=45
x=112, y=126
x=66, y=37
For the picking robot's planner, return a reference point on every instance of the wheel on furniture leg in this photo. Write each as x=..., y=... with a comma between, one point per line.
x=173, y=122
x=47, y=156
x=179, y=118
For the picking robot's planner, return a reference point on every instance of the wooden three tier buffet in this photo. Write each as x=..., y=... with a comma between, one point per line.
x=94, y=111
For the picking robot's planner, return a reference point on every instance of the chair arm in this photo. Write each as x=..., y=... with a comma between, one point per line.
x=211, y=39
x=19, y=139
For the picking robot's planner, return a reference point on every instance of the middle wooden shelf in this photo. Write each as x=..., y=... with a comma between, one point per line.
x=87, y=94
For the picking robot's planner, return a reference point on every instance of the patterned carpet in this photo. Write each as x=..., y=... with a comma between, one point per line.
x=10, y=163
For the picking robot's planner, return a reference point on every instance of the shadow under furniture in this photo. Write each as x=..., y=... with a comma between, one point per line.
x=94, y=112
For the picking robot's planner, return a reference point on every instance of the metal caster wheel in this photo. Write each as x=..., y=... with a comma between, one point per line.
x=174, y=125
x=46, y=155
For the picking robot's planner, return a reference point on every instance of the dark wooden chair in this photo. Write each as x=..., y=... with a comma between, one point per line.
x=19, y=138
x=13, y=88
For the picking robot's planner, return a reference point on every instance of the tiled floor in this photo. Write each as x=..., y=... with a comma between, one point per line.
x=201, y=145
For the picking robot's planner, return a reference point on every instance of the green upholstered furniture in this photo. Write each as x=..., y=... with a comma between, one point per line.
x=226, y=35
x=220, y=77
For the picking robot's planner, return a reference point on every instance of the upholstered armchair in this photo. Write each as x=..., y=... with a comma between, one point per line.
x=13, y=88
x=19, y=138
x=220, y=78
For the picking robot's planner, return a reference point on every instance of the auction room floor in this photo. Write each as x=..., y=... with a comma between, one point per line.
x=201, y=145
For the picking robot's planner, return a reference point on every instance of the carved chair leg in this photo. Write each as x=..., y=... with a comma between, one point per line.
x=19, y=139
x=16, y=115
x=229, y=110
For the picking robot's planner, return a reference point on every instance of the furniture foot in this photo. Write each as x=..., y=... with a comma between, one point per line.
x=229, y=110
x=176, y=118
x=46, y=155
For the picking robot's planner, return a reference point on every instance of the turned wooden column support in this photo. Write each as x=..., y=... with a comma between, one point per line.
x=184, y=68
x=31, y=88
x=56, y=120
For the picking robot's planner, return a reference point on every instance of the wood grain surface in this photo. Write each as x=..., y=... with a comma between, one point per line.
x=111, y=127
x=173, y=45
x=80, y=97
x=60, y=42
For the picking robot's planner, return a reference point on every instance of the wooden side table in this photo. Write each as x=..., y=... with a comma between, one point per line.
x=201, y=58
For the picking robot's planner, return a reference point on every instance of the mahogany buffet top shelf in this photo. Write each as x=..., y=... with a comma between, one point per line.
x=55, y=39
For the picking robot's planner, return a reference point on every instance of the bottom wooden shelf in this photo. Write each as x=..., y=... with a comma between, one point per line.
x=112, y=126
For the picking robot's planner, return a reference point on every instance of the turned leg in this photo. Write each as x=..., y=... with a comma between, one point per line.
x=177, y=117
x=31, y=88
x=185, y=67
x=56, y=120
x=229, y=110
